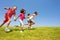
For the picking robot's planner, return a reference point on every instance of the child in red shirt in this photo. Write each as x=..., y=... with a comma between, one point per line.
x=8, y=15
x=21, y=18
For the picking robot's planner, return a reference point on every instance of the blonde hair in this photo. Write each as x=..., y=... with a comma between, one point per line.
x=14, y=7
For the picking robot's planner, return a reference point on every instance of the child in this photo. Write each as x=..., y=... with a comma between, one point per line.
x=21, y=18
x=8, y=15
x=30, y=19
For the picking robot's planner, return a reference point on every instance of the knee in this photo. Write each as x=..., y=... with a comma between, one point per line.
x=8, y=21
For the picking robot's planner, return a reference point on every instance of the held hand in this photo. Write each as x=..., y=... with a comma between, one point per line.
x=4, y=8
x=15, y=19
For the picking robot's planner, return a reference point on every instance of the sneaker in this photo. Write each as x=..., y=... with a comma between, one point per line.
x=31, y=27
x=7, y=29
x=21, y=31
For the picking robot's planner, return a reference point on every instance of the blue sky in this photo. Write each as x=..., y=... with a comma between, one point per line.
x=49, y=11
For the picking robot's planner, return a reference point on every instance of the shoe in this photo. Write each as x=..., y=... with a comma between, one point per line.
x=21, y=31
x=7, y=29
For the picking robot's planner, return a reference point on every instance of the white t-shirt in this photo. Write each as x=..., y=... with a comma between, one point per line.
x=31, y=17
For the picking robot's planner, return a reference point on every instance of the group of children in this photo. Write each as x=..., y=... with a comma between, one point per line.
x=11, y=12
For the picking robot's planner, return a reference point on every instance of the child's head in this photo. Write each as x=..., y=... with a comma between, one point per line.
x=28, y=14
x=23, y=11
x=35, y=12
x=14, y=7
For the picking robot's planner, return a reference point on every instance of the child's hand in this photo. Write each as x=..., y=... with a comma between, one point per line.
x=15, y=19
x=4, y=8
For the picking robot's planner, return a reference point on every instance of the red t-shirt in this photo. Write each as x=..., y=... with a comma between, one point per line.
x=10, y=12
x=22, y=16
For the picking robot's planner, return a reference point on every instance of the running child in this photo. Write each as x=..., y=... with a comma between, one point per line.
x=30, y=19
x=10, y=12
x=21, y=18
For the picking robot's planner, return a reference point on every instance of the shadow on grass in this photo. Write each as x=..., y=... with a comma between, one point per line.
x=16, y=29
x=30, y=29
x=8, y=31
x=24, y=29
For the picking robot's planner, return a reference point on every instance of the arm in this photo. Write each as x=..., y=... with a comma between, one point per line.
x=24, y=16
x=6, y=8
x=31, y=17
x=15, y=18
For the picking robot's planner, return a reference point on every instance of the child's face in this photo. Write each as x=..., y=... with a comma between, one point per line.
x=24, y=12
x=15, y=8
x=28, y=14
x=34, y=14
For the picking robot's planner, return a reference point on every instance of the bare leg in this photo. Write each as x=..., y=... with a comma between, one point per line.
x=8, y=24
x=6, y=29
x=2, y=24
x=29, y=25
x=21, y=25
x=21, y=28
x=32, y=22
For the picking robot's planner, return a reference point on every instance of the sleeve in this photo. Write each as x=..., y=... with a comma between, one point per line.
x=24, y=16
x=7, y=8
x=20, y=15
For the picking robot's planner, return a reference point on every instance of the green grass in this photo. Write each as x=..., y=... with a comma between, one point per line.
x=37, y=33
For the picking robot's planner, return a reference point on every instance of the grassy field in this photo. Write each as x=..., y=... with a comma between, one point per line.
x=37, y=33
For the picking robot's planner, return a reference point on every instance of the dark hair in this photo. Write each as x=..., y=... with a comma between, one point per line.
x=22, y=10
x=28, y=14
x=36, y=12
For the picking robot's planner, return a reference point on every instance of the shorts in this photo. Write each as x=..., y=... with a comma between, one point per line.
x=6, y=19
x=21, y=22
x=29, y=21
